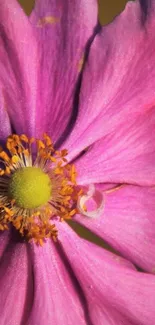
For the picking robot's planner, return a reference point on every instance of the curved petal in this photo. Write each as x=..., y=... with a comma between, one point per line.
x=126, y=155
x=115, y=294
x=128, y=224
x=63, y=29
x=56, y=297
x=118, y=79
x=18, y=66
x=15, y=284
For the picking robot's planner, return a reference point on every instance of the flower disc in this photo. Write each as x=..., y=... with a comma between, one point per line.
x=30, y=187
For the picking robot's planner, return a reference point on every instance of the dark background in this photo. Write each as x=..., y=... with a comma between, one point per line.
x=107, y=8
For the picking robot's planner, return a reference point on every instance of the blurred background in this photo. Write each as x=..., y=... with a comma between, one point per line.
x=108, y=9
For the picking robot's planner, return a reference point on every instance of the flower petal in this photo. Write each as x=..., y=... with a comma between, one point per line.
x=126, y=155
x=56, y=297
x=128, y=224
x=63, y=29
x=15, y=284
x=5, y=127
x=18, y=66
x=115, y=294
x=118, y=79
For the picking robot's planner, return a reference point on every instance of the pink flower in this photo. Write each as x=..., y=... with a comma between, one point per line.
x=92, y=91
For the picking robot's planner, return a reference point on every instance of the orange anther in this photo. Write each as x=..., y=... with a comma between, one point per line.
x=4, y=156
x=1, y=172
x=16, y=138
x=40, y=144
x=47, y=139
x=64, y=153
x=8, y=211
x=32, y=140
x=26, y=152
x=53, y=159
x=24, y=138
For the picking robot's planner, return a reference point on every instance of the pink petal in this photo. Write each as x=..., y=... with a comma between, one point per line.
x=118, y=80
x=57, y=299
x=115, y=294
x=4, y=242
x=126, y=155
x=5, y=127
x=18, y=66
x=128, y=224
x=15, y=284
x=63, y=29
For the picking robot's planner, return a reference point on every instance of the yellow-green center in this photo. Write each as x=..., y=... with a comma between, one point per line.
x=30, y=187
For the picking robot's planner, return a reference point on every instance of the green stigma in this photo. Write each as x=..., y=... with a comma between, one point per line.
x=30, y=187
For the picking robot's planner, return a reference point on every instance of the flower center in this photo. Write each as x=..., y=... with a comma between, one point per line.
x=37, y=186
x=30, y=187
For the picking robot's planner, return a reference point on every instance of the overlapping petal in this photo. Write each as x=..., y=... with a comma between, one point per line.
x=63, y=29
x=56, y=297
x=91, y=285
x=128, y=224
x=126, y=155
x=18, y=66
x=115, y=294
x=16, y=283
x=118, y=80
